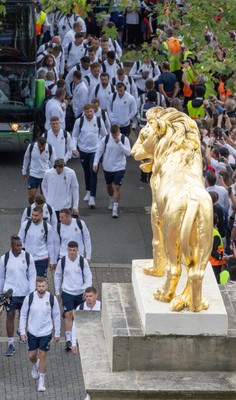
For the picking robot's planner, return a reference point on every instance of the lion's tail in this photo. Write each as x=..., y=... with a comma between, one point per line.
x=187, y=226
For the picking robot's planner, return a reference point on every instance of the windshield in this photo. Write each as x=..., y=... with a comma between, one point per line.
x=17, y=33
x=17, y=85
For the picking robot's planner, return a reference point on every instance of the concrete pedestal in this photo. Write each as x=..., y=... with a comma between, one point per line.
x=156, y=317
x=121, y=361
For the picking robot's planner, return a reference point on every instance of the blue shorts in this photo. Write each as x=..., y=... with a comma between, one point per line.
x=71, y=302
x=34, y=183
x=41, y=267
x=41, y=343
x=114, y=177
x=16, y=304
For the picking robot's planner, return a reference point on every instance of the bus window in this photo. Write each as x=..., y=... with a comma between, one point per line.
x=17, y=34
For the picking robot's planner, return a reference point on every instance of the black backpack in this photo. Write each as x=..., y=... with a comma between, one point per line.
x=6, y=258
x=45, y=134
x=31, y=297
x=107, y=139
x=45, y=227
x=81, y=263
x=80, y=226
x=28, y=212
x=81, y=123
x=31, y=149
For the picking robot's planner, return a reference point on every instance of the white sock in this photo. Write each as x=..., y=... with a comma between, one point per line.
x=115, y=206
x=10, y=340
x=88, y=192
x=68, y=336
x=41, y=378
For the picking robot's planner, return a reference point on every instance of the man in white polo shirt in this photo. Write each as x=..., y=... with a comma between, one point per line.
x=122, y=108
x=38, y=158
x=61, y=188
x=60, y=139
x=71, y=229
x=115, y=147
x=73, y=276
x=17, y=272
x=90, y=304
x=42, y=311
x=87, y=132
x=37, y=238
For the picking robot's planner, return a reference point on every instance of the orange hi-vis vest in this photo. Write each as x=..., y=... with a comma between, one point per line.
x=174, y=53
x=39, y=22
x=214, y=262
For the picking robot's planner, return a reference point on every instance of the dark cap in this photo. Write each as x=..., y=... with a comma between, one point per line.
x=59, y=162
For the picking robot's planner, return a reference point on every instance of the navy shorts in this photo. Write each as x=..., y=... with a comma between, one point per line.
x=114, y=177
x=16, y=304
x=71, y=302
x=34, y=183
x=41, y=267
x=41, y=342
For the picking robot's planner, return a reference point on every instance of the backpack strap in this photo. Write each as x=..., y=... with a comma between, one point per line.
x=49, y=210
x=81, y=122
x=45, y=227
x=65, y=137
x=103, y=67
x=69, y=48
x=28, y=212
x=130, y=81
x=137, y=65
x=113, y=99
x=51, y=86
x=122, y=138
x=50, y=150
x=30, y=151
x=87, y=79
x=81, y=306
x=27, y=227
x=27, y=259
x=103, y=115
x=113, y=81
x=99, y=123
x=51, y=299
x=59, y=230
x=63, y=263
x=96, y=90
x=78, y=67
x=106, y=141
x=153, y=67
x=114, y=44
x=113, y=89
x=81, y=263
x=6, y=258
x=45, y=134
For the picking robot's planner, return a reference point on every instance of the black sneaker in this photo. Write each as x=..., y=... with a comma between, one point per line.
x=10, y=351
x=68, y=345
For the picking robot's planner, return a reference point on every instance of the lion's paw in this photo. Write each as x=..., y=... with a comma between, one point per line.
x=153, y=271
x=177, y=303
x=162, y=294
x=204, y=305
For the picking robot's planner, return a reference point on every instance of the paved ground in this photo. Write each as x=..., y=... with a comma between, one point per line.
x=64, y=375
x=115, y=244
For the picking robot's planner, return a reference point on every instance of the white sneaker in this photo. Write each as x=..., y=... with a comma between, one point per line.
x=129, y=46
x=115, y=213
x=41, y=387
x=111, y=202
x=86, y=197
x=91, y=202
x=35, y=371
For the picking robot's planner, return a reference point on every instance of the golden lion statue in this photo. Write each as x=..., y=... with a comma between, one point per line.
x=181, y=214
